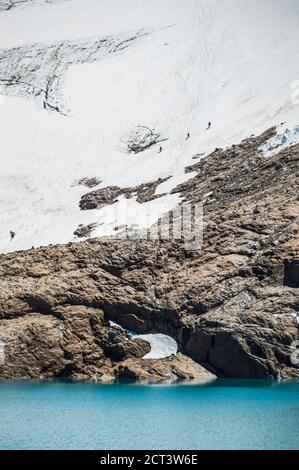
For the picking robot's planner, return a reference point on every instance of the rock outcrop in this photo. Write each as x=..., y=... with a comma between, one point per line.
x=84, y=231
x=77, y=342
x=106, y=196
x=228, y=305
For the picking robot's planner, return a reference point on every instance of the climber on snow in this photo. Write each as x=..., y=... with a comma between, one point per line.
x=209, y=125
x=12, y=234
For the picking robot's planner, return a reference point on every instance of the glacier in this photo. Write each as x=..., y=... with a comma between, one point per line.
x=77, y=78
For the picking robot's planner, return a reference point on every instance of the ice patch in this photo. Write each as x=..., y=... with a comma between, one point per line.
x=162, y=346
x=115, y=325
x=283, y=139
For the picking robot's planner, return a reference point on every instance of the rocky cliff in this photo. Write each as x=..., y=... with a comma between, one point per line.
x=232, y=306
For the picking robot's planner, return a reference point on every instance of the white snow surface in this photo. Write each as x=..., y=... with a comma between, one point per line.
x=229, y=62
x=161, y=345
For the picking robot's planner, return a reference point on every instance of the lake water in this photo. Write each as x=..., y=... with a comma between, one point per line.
x=225, y=414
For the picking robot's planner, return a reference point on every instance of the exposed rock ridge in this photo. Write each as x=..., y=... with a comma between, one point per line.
x=229, y=305
x=99, y=198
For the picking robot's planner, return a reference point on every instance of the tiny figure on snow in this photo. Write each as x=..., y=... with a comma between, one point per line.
x=160, y=149
x=12, y=234
x=188, y=136
x=209, y=125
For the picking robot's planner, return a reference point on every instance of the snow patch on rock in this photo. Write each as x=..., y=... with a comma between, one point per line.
x=161, y=346
x=296, y=319
x=285, y=137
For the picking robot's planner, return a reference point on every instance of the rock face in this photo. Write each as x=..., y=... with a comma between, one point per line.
x=77, y=342
x=228, y=305
x=85, y=230
x=105, y=196
x=171, y=369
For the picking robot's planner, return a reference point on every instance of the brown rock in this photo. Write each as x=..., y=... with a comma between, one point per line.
x=125, y=349
x=106, y=196
x=172, y=369
x=230, y=305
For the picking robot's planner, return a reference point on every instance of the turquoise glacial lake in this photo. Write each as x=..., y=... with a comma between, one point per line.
x=225, y=414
